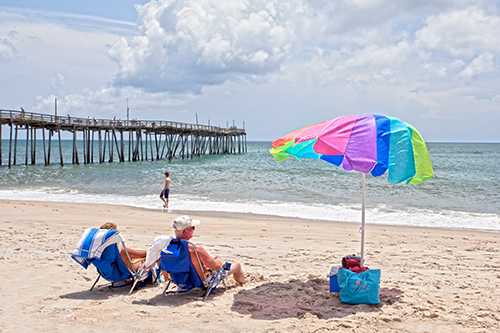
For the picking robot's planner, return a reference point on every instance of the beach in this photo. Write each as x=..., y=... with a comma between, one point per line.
x=433, y=280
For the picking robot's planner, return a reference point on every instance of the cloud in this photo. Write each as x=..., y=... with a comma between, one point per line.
x=46, y=58
x=78, y=21
x=481, y=64
x=57, y=81
x=184, y=45
x=8, y=52
x=108, y=99
x=457, y=104
x=462, y=34
x=457, y=43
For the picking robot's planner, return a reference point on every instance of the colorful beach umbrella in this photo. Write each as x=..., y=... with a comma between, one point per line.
x=367, y=143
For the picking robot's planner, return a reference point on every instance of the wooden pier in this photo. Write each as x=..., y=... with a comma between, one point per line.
x=107, y=140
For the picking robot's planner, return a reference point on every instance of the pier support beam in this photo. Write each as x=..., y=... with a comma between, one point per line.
x=10, y=143
x=44, y=149
x=15, y=145
x=60, y=145
x=27, y=143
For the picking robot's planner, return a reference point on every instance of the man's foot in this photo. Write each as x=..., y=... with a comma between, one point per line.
x=246, y=280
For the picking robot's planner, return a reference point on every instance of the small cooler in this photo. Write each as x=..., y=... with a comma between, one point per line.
x=334, y=285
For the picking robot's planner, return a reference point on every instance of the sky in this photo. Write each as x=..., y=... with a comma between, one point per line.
x=269, y=66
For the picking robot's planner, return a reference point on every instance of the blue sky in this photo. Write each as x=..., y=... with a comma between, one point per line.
x=275, y=66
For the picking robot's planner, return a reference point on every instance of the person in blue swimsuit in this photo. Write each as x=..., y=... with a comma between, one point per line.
x=166, y=190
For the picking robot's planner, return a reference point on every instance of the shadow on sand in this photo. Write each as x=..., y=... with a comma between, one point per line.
x=104, y=291
x=277, y=300
x=173, y=299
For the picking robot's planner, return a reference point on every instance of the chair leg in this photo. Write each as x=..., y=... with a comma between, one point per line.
x=133, y=285
x=155, y=275
x=165, y=290
x=95, y=282
x=207, y=292
x=224, y=281
x=158, y=276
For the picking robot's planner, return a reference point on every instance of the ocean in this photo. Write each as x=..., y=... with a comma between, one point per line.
x=464, y=194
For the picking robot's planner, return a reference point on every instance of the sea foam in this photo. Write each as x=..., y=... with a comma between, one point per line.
x=397, y=215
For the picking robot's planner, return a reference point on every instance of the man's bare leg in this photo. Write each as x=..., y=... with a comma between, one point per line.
x=238, y=274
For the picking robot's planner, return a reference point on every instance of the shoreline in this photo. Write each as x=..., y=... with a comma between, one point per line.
x=253, y=216
x=256, y=216
x=432, y=279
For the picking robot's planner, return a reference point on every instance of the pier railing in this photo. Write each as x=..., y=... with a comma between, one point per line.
x=99, y=122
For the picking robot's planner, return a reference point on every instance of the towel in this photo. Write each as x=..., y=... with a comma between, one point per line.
x=93, y=242
x=154, y=252
x=334, y=271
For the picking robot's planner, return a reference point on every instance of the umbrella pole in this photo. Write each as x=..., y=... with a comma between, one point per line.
x=362, y=229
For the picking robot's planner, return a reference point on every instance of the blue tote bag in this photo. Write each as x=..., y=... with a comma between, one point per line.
x=362, y=288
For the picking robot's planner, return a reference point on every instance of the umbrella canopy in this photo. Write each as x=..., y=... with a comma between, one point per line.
x=366, y=143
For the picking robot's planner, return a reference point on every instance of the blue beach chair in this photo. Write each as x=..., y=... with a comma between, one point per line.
x=176, y=261
x=99, y=248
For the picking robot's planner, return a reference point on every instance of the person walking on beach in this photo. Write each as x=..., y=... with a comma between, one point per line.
x=166, y=190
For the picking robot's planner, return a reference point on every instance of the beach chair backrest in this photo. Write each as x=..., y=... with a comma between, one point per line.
x=99, y=247
x=111, y=266
x=177, y=262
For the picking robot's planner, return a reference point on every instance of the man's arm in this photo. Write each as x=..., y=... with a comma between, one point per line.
x=214, y=264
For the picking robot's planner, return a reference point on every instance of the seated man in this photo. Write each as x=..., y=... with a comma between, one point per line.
x=184, y=228
x=136, y=256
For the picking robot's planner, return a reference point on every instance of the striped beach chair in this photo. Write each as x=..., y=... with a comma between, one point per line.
x=99, y=247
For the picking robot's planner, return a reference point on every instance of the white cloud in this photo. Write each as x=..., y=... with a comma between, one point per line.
x=109, y=100
x=47, y=59
x=380, y=55
x=458, y=103
x=8, y=52
x=462, y=34
x=57, y=81
x=183, y=45
x=481, y=64
x=76, y=21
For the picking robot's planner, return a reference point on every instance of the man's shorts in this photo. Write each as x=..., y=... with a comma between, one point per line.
x=164, y=193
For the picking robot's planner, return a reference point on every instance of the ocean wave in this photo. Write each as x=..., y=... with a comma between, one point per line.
x=384, y=214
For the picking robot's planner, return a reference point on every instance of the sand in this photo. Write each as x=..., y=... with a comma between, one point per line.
x=432, y=280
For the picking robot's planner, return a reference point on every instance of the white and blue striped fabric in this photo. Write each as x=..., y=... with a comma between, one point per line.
x=93, y=242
